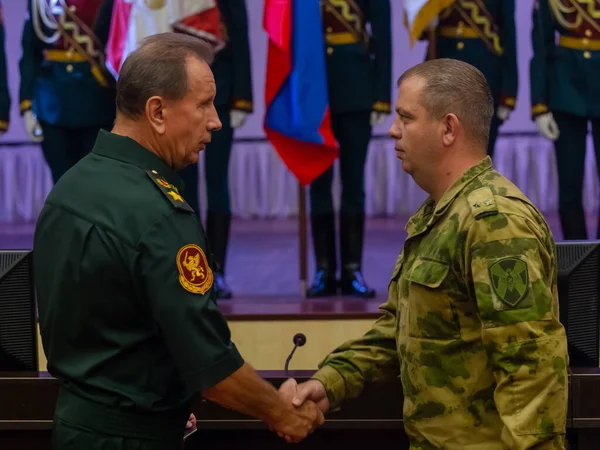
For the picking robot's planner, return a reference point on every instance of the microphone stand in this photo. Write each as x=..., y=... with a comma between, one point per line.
x=299, y=341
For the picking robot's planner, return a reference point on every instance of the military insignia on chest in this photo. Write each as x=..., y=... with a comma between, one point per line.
x=510, y=280
x=195, y=275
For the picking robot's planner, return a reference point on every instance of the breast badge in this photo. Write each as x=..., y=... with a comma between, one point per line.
x=194, y=273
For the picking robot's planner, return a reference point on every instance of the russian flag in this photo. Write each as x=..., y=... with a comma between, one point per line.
x=297, y=120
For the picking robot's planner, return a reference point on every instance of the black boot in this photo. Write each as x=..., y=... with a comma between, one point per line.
x=217, y=231
x=572, y=222
x=323, y=234
x=352, y=227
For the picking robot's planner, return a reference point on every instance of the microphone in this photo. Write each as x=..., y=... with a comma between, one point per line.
x=299, y=341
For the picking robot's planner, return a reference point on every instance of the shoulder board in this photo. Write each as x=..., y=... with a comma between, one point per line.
x=482, y=202
x=169, y=191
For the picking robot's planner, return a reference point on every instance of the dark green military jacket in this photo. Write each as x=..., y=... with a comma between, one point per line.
x=124, y=278
x=4, y=93
x=66, y=82
x=359, y=64
x=231, y=67
x=482, y=33
x=565, y=72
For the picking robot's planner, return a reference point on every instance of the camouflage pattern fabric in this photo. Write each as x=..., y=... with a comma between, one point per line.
x=470, y=325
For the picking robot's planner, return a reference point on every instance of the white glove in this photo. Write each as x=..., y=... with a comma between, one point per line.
x=547, y=126
x=503, y=113
x=377, y=118
x=33, y=126
x=237, y=118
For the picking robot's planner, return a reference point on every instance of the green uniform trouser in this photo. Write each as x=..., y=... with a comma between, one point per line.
x=216, y=163
x=570, y=149
x=353, y=133
x=63, y=147
x=83, y=425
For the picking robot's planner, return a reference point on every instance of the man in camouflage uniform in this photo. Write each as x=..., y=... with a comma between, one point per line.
x=471, y=323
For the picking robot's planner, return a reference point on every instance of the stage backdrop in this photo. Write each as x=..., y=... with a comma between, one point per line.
x=260, y=185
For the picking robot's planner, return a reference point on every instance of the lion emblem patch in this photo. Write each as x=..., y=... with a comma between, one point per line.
x=194, y=273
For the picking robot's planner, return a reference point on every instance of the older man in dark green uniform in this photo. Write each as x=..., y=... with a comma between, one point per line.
x=4, y=94
x=125, y=279
x=482, y=33
x=565, y=96
x=66, y=93
x=233, y=75
x=359, y=71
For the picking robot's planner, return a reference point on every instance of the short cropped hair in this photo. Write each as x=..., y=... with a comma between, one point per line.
x=158, y=67
x=453, y=86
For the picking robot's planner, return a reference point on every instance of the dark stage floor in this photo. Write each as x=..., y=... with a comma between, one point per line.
x=263, y=265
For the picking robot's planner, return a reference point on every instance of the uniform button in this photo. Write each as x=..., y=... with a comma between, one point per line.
x=329, y=50
x=69, y=68
x=587, y=55
x=585, y=41
x=460, y=45
x=155, y=172
x=461, y=24
x=329, y=29
x=588, y=33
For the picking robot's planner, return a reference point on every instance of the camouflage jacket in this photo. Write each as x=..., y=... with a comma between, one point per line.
x=470, y=325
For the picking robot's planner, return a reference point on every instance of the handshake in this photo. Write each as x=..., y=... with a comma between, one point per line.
x=307, y=403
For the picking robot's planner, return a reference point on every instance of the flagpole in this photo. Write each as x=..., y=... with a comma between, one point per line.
x=303, y=238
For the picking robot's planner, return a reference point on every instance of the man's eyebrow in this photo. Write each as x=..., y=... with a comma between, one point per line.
x=403, y=112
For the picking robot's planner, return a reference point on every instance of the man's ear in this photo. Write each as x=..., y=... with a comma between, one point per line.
x=155, y=113
x=451, y=126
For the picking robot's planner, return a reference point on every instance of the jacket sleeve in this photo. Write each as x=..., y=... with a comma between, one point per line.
x=513, y=274
x=510, y=73
x=379, y=16
x=29, y=63
x=4, y=93
x=372, y=358
x=542, y=38
x=240, y=47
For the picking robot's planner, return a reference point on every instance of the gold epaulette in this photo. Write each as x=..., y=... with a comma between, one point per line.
x=170, y=191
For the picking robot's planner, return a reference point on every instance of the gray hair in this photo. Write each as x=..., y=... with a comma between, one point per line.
x=453, y=86
x=158, y=67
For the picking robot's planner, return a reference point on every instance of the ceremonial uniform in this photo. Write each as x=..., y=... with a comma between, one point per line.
x=63, y=76
x=233, y=76
x=4, y=93
x=128, y=317
x=565, y=81
x=482, y=33
x=471, y=325
x=359, y=83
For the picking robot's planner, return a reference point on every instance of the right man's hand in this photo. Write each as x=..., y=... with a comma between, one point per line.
x=309, y=390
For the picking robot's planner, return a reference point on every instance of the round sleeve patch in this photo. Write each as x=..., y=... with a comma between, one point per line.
x=194, y=273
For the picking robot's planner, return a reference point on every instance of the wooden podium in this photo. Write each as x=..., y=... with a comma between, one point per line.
x=27, y=407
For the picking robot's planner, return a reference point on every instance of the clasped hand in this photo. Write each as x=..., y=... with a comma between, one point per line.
x=308, y=402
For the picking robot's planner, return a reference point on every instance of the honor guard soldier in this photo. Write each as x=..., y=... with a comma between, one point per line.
x=66, y=94
x=232, y=72
x=565, y=96
x=4, y=93
x=482, y=33
x=359, y=84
